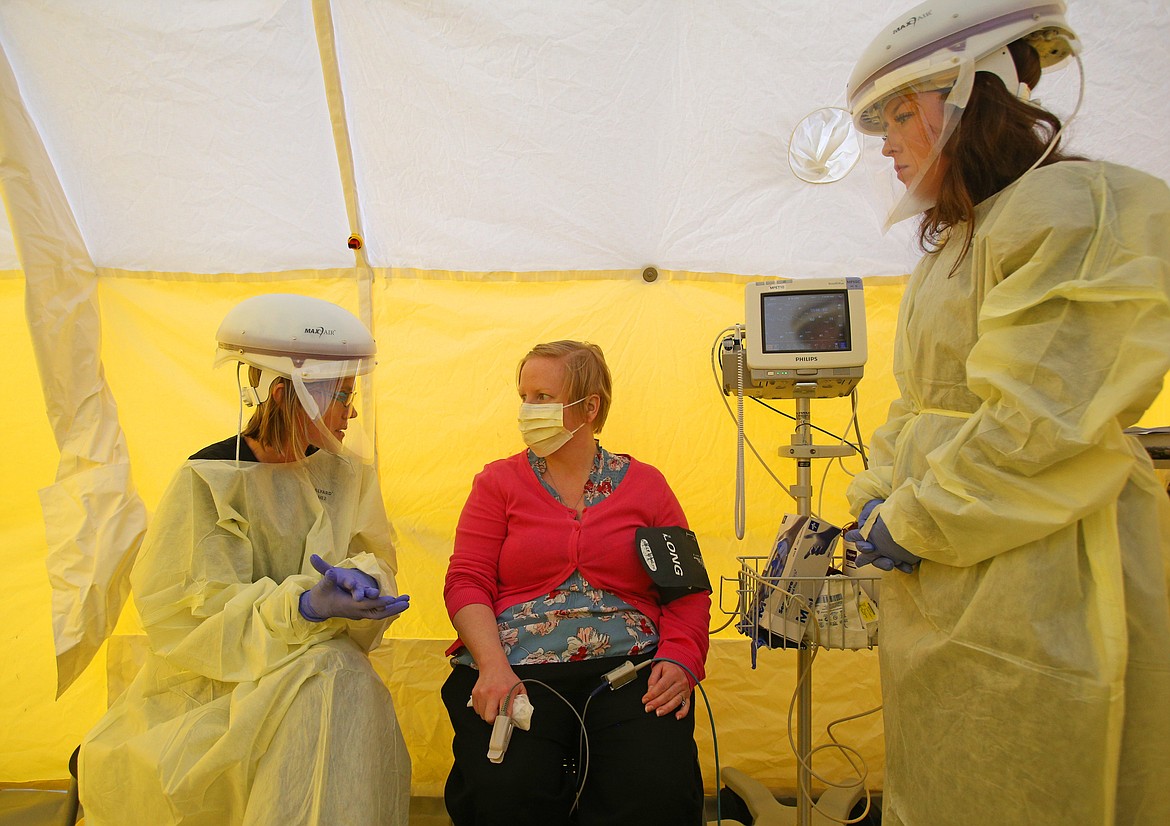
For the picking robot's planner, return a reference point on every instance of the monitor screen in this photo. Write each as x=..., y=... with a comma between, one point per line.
x=805, y=322
x=802, y=337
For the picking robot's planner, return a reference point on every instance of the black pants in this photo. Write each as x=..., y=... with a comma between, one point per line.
x=642, y=769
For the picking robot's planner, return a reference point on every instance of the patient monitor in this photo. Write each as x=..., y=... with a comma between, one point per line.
x=802, y=338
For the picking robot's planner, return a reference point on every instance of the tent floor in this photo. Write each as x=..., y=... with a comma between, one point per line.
x=43, y=804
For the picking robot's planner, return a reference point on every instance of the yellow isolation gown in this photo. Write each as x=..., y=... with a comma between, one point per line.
x=1026, y=662
x=245, y=712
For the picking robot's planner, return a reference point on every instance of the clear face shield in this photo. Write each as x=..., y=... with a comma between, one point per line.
x=317, y=404
x=905, y=126
x=332, y=413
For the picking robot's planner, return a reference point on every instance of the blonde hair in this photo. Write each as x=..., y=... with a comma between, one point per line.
x=279, y=421
x=588, y=374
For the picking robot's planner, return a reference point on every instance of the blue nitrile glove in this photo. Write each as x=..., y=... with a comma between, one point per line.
x=357, y=583
x=880, y=549
x=347, y=593
x=866, y=510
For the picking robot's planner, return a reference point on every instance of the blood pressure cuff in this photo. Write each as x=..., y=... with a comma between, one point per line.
x=672, y=559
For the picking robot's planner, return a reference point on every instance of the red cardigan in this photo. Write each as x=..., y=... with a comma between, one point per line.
x=515, y=543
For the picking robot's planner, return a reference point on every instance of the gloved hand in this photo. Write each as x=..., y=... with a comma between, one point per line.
x=347, y=593
x=880, y=548
x=357, y=583
x=866, y=510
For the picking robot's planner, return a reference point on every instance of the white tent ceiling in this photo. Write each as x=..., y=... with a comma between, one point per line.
x=195, y=136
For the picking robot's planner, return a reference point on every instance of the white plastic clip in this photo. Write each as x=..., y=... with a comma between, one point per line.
x=520, y=718
x=249, y=396
x=501, y=736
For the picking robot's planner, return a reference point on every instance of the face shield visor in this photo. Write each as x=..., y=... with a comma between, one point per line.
x=905, y=121
x=324, y=405
x=331, y=409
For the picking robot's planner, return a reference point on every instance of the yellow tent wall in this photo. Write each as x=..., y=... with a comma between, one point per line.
x=446, y=406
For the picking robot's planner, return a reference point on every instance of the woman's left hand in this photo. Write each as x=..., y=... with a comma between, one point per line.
x=668, y=689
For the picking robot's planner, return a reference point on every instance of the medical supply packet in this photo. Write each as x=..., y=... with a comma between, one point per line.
x=845, y=615
x=791, y=580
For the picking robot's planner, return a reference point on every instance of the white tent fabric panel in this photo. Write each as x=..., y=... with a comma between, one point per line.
x=594, y=136
x=517, y=136
x=94, y=519
x=191, y=137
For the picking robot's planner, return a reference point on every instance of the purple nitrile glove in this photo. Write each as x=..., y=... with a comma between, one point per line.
x=347, y=593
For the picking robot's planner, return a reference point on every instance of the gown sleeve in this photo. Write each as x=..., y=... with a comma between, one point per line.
x=200, y=606
x=1072, y=346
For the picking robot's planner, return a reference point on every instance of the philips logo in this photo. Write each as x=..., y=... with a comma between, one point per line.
x=320, y=332
x=648, y=555
x=805, y=358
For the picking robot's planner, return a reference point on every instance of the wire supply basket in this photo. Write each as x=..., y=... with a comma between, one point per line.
x=835, y=611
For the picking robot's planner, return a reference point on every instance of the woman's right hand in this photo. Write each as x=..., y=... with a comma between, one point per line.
x=492, y=689
x=479, y=633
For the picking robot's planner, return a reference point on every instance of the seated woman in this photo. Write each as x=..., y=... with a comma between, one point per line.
x=266, y=576
x=546, y=584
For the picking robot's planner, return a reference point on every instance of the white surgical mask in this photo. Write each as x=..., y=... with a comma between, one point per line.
x=542, y=426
